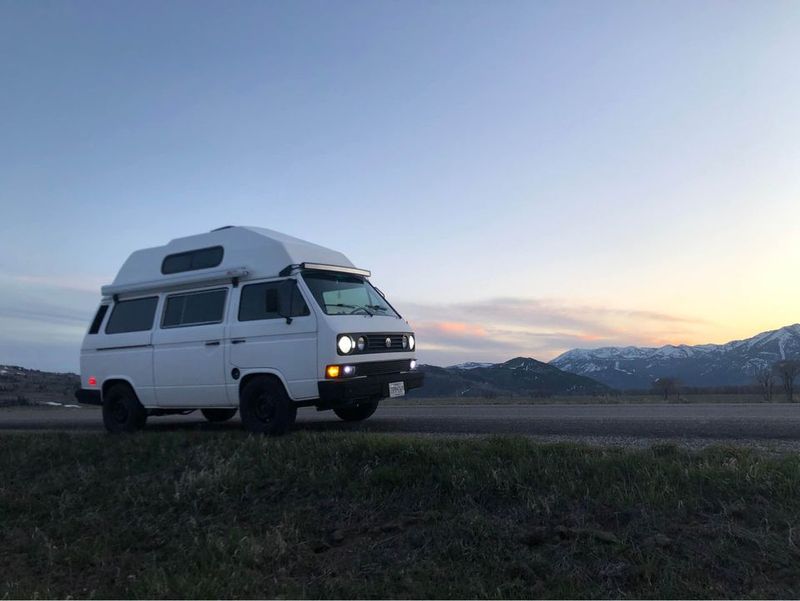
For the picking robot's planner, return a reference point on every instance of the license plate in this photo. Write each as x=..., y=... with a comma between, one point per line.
x=397, y=389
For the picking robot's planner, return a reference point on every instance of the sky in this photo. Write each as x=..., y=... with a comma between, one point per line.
x=522, y=178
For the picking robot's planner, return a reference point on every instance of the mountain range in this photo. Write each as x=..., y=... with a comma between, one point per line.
x=521, y=376
x=730, y=364
x=585, y=372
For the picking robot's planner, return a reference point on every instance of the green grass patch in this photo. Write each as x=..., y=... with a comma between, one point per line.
x=188, y=514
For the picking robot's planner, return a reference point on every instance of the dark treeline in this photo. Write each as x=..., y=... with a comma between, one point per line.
x=695, y=390
x=767, y=380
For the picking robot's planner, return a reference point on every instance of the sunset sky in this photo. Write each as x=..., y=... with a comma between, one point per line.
x=521, y=177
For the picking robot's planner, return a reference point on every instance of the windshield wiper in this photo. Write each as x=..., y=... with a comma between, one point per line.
x=354, y=307
x=378, y=308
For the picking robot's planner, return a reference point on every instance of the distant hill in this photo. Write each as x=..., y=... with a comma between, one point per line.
x=588, y=372
x=521, y=376
x=704, y=365
x=517, y=377
x=20, y=386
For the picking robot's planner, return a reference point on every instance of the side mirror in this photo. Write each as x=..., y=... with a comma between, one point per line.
x=286, y=294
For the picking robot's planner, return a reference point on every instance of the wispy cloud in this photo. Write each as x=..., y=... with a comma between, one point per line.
x=42, y=320
x=499, y=328
x=76, y=282
x=47, y=317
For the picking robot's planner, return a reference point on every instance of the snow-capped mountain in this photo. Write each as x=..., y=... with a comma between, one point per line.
x=521, y=376
x=470, y=365
x=729, y=364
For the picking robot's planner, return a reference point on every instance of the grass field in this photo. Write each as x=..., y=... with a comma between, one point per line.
x=187, y=514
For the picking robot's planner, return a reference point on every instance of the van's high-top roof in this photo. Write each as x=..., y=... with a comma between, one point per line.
x=248, y=252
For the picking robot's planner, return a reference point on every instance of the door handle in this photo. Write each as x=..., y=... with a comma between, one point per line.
x=238, y=341
x=212, y=343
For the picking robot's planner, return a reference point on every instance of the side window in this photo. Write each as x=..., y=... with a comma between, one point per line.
x=98, y=319
x=262, y=301
x=195, y=308
x=202, y=258
x=299, y=306
x=132, y=315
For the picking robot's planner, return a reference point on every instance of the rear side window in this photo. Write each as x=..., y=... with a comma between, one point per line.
x=98, y=319
x=132, y=315
x=202, y=258
x=194, y=308
x=262, y=301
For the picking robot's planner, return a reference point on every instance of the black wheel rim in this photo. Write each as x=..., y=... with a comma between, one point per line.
x=265, y=407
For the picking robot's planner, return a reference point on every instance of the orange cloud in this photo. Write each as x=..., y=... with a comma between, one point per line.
x=460, y=328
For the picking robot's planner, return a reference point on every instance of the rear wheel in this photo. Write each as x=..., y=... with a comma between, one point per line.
x=122, y=411
x=356, y=413
x=218, y=415
x=265, y=408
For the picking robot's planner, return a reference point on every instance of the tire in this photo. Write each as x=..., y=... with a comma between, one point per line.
x=356, y=413
x=122, y=411
x=218, y=415
x=265, y=408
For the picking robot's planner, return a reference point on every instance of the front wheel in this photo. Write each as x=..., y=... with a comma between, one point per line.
x=265, y=408
x=356, y=413
x=218, y=415
x=122, y=411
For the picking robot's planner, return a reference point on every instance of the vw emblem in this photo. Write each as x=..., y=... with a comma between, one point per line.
x=388, y=342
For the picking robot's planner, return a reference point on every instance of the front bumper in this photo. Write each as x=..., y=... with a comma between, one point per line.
x=87, y=396
x=335, y=393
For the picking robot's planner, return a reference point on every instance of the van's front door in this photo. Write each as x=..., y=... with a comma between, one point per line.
x=260, y=338
x=189, y=351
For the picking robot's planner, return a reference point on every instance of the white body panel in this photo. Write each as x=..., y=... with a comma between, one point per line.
x=203, y=365
x=287, y=350
x=185, y=367
x=130, y=359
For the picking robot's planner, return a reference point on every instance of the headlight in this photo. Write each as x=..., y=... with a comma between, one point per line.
x=361, y=344
x=411, y=342
x=345, y=344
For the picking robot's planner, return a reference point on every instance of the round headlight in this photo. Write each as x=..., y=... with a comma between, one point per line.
x=361, y=344
x=411, y=342
x=405, y=342
x=345, y=344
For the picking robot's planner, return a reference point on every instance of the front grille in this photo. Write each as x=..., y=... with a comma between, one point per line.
x=376, y=368
x=376, y=343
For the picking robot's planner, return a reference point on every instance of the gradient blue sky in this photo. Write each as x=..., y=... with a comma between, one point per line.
x=521, y=177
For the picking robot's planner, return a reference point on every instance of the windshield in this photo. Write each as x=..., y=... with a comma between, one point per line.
x=342, y=294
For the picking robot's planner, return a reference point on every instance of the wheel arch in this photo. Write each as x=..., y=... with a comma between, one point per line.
x=276, y=377
x=113, y=381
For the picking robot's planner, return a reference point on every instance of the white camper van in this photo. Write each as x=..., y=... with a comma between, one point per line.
x=246, y=319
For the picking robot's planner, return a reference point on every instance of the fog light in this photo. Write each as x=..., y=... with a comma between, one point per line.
x=349, y=370
x=413, y=364
x=332, y=371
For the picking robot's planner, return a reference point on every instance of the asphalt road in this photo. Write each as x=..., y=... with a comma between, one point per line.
x=763, y=422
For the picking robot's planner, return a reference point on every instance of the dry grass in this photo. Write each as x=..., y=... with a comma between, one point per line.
x=185, y=514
